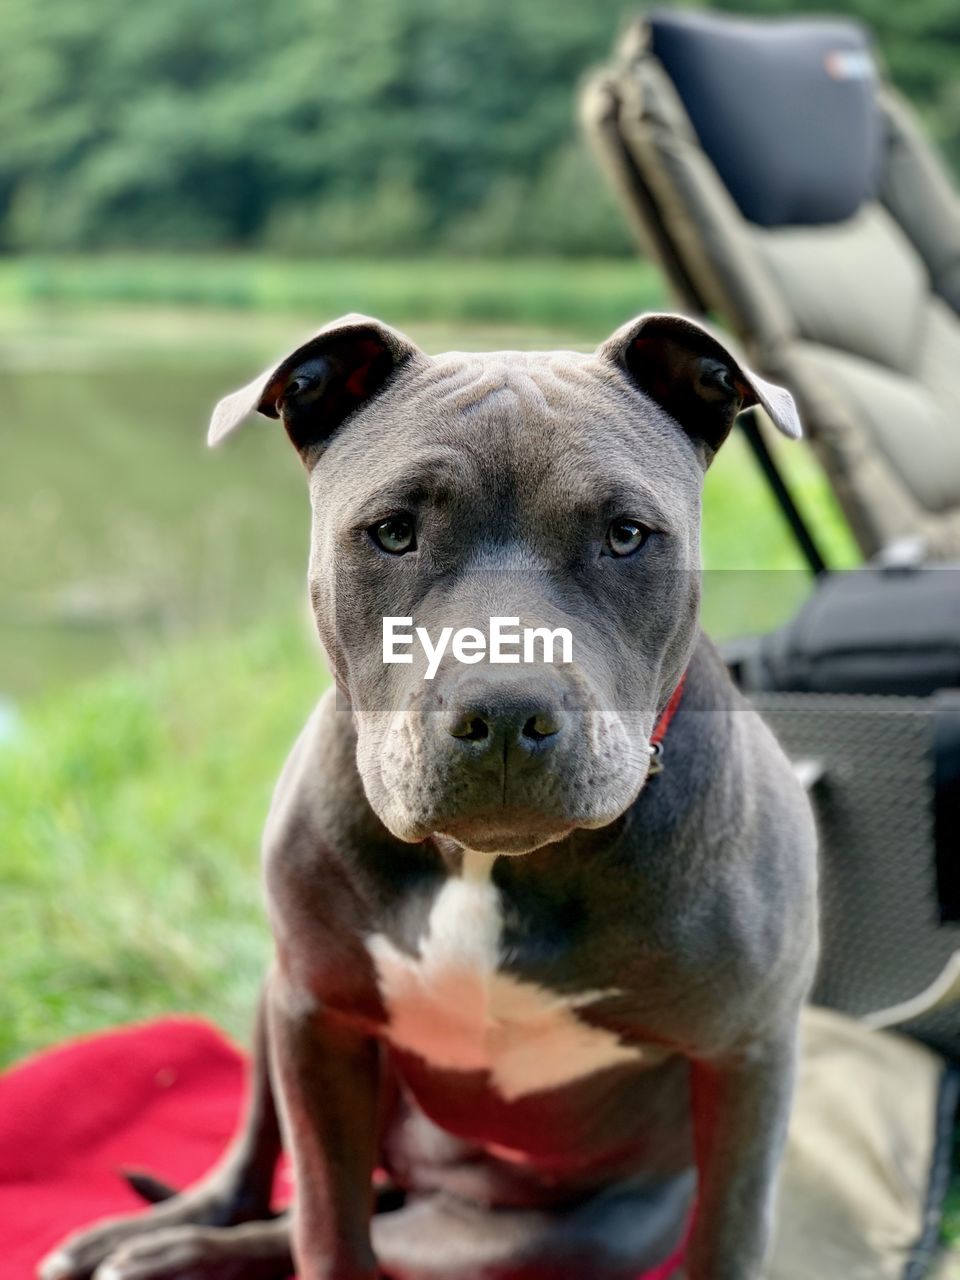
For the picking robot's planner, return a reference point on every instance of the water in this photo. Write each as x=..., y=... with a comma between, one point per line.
x=119, y=530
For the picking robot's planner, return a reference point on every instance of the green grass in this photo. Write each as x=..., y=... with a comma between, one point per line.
x=131, y=811
x=586, y=295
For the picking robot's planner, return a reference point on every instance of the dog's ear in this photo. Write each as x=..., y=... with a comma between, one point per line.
x=692, y=375
x=321, y=383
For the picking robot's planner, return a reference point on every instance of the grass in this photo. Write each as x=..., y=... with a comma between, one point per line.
x=132, y=805
x=586, y=295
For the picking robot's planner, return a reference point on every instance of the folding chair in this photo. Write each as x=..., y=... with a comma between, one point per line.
x=787, y=192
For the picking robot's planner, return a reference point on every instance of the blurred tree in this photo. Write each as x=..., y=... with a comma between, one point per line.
x=315, y=126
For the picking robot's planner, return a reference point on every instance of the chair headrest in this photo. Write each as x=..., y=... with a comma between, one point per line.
x=785, y=109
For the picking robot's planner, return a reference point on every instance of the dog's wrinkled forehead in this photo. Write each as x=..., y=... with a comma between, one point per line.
x=523, y=389
x=521, y=420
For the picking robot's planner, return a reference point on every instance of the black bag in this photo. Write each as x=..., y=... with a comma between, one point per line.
x=880, y=630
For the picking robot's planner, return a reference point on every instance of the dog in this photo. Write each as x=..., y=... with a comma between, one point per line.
x=543, y=928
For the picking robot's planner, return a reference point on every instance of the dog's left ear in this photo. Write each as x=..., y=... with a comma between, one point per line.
x=692, y=375
x=321, y=383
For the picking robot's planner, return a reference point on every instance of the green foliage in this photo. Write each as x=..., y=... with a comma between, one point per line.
x=372, y=125
x=316, y=127
x=591, y=297
x=131, y=811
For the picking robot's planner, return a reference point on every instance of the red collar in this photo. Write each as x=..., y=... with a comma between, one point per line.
x=663, y=724
x=669, y=711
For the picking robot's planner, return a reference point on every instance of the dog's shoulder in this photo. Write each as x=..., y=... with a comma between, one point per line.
x=318, y=802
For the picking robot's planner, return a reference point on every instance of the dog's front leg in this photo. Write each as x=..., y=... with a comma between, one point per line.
x=741, y=1106
x=326, y=1074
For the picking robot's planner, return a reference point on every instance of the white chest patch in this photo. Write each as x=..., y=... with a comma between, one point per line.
x=451, y=1006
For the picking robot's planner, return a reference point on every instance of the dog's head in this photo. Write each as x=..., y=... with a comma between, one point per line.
x=560, y=491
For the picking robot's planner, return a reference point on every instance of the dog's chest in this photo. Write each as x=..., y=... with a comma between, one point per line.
x=453, y=1006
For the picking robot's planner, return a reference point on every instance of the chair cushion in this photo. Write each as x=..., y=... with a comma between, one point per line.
x=858, y=286
x=910, y=426
x=786, y=110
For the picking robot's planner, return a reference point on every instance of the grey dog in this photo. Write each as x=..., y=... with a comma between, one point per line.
x=548, y=988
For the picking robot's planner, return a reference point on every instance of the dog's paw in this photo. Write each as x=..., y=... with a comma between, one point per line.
x=79, y=1255
x=215, y=1203
x=256, y=1251
x=178, y=1253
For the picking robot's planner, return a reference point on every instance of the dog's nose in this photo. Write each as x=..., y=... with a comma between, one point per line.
x=526, y=717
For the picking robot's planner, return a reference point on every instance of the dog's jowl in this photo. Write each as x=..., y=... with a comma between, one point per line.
x=543, y=927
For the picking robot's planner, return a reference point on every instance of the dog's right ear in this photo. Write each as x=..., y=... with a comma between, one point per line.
x=320, y=384
x=691, y=374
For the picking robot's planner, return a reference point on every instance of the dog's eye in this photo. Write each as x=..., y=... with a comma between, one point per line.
x=396, y=535
x=625, y=536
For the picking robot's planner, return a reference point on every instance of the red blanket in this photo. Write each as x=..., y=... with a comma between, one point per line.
x=163, y=1097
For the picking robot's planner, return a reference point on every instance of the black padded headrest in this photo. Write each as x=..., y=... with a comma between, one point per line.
x=784, y=109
